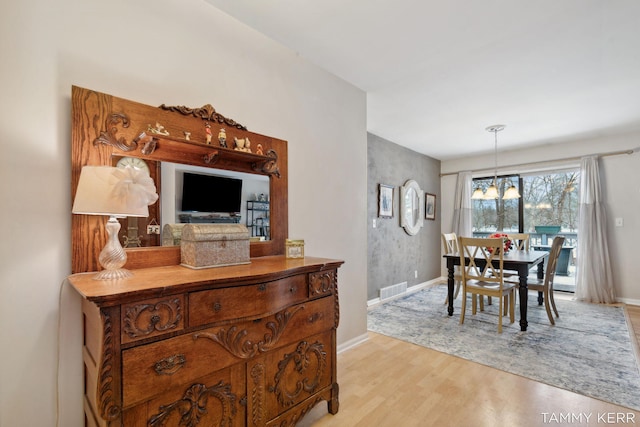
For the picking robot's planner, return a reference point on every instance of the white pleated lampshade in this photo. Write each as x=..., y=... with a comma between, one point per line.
x=119, y=192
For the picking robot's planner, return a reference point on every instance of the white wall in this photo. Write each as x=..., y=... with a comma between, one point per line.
x=621, y=190
x=151, y=51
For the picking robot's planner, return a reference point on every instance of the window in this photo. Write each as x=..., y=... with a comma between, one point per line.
x=550, y=200
x=491, y=215
x=547, y=199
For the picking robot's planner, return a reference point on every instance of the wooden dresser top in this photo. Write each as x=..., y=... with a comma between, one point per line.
x=159, y=281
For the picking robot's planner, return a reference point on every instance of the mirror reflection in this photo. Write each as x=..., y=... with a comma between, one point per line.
x=192, y=194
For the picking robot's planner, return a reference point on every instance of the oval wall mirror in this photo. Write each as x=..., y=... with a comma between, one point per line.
x=411, y=207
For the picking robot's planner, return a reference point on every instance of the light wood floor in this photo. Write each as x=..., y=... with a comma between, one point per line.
x=387, y=382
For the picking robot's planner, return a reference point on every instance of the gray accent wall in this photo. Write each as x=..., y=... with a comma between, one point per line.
x=393, y=255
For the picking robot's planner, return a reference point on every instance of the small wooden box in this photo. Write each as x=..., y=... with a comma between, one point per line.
x=214, y=245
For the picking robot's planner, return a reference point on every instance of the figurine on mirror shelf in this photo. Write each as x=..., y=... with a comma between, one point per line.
x=207, y=129
x=242, y=144
x=238, y=144
x=222, y=138
x=259, y=150
x=158, y=129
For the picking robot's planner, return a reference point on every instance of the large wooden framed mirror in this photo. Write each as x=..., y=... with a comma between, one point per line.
x=107, y=130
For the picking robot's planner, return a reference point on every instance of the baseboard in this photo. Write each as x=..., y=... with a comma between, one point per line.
x=415, y=288
x=629, y=301
x=354, y=342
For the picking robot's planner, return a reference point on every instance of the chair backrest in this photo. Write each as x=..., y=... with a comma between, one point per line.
x=521, y=241
x=450, y=243
x=482, y=259
x=552, y=262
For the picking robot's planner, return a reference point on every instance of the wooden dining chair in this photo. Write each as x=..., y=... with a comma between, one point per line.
x=521, y=241
x=450, y=247
x=546, y=285
x=482, y=275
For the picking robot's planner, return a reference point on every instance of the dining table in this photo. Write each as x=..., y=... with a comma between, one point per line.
x=520, y=261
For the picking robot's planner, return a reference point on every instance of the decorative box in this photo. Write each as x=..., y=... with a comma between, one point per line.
x=294, y=248
x=172, y=234
x=214, y=245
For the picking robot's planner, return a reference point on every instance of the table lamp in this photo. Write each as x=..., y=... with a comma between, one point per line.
x=118, y=193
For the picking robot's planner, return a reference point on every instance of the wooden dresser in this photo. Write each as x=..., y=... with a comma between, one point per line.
x=245, y=345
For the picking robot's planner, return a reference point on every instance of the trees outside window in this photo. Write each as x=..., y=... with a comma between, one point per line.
x=547, y=199
x=491, y=215
x=551, y=199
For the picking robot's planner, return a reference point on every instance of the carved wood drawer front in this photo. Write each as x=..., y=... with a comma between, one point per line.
x=297, y=371
x=213, y=400
x=149, y=369
x=245, y=301
x=152, y=317
x=322, y=283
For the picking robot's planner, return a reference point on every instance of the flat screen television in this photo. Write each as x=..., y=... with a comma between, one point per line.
x=210, y=193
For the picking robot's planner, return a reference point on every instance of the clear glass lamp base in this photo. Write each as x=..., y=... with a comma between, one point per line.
x=113, y=256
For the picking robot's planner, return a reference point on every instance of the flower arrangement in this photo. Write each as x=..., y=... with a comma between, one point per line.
x=505, y=239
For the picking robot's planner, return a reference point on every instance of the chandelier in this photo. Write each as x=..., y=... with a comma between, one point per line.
x=492, y=191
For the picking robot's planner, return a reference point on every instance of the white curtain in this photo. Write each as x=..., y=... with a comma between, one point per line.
x=594, y=281
x=462, y=208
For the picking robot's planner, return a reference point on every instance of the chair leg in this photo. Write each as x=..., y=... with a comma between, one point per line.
x=500, y=308
x=553, y=302
x=546, y=306
x=512, y=307
x=464, y=306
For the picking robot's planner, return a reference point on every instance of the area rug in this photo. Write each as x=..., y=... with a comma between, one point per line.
x=588, y=351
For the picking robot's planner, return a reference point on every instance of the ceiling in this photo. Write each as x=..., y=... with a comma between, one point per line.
x=438, y=72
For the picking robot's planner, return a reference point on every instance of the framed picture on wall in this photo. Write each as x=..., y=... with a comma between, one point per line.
x=385, y=201
x=430, y=206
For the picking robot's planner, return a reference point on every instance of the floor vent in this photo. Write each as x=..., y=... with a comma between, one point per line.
x=393, y=290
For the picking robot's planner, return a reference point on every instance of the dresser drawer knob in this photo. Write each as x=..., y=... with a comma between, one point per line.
x=314, y=317
x=217, y=307
x=293, y=289
x=170, y=365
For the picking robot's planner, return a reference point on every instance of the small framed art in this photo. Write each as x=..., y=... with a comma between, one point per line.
x=294, y=248
x=430, y=206
x=385, y=201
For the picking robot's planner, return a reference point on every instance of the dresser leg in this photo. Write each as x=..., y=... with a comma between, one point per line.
x=333, y=404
